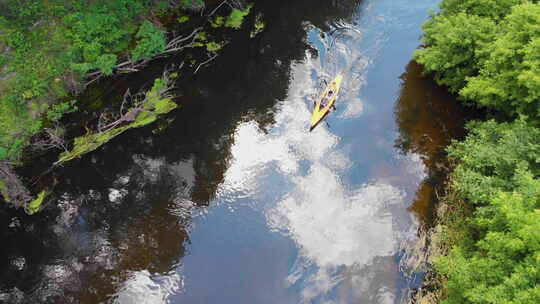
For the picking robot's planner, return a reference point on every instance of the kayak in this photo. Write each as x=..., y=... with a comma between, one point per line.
x=320, y=111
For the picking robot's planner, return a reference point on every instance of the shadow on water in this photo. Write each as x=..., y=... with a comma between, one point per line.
x=127, y=207
x=428, y=118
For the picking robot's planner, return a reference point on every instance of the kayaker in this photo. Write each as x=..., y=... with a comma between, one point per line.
x=325, y=103
x=326, y=99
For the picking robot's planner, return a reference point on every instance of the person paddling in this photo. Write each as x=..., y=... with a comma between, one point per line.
x=326, y=99
x=323, y=105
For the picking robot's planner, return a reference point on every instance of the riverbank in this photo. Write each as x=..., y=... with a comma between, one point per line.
x=435, y=242
x=52, y=52
x=484, y=246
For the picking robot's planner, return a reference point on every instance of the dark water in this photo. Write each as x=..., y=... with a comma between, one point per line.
x=231, y=200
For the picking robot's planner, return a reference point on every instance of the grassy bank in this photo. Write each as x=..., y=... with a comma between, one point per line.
x=486, y=246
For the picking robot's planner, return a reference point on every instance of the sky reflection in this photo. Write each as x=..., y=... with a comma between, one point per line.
x=339, y=229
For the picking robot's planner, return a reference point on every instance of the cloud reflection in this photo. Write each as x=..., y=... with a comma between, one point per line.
x=333, y=226
x=339, y=229
x=143, y=288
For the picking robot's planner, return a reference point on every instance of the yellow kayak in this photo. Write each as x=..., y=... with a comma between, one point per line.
x=329, y=96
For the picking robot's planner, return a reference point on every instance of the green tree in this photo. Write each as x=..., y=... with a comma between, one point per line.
x=488, y=51
x=58, y=110
x=151, y=41
x=494, y=9
x=490, y=155
x=455, y=45
x=509, y=79
x=498, y=169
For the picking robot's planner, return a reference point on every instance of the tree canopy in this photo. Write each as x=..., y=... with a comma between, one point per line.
x=46, y=47
x=489, y=56
x=488, y=51
x=498, y=171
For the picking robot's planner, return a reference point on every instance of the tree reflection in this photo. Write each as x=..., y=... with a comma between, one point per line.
x=428, y=118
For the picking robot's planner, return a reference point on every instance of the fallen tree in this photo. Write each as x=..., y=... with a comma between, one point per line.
x=144, y=109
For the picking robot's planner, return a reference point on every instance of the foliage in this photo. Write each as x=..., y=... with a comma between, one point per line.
x=47, y=49
x=218, y=21
x=193, y=4
x=58, y=110
x=51, y=41
x=498, y=169
x=183, y=19
x=505, y=266
x=89, y=142
x=4, y=191
x=93, y=35
x=35, y=205
x=214, y=46
x=151, y=41
x=236, y=18
x=15, y=123
x=258, y=26
x=211, y=46
x=491, y=154
x=487, y=50
x=509, y=79
x=493, y=9
x=454, y=44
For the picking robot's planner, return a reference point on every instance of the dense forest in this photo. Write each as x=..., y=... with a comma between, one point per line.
x=51, y=51
x=488, y=233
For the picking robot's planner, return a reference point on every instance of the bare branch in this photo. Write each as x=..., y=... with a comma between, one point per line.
x=50, y=138
x=127, y=95
x=215, y=9
x=94, y=79
x=175, y=42
x=205, y=62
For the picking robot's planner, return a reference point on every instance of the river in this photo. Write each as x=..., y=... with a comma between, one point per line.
x=230, y=199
